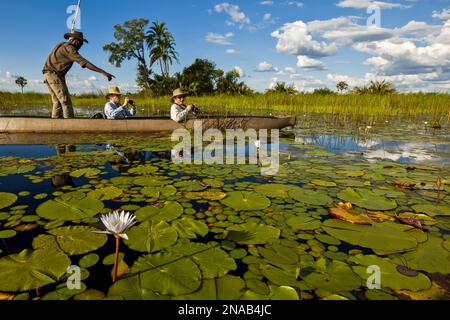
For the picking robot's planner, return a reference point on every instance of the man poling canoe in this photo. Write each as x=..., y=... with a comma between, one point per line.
x=58, y=63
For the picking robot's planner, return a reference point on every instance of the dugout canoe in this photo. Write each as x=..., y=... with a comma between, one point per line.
x=135, y=125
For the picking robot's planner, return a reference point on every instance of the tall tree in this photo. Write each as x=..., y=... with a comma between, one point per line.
x=162, y=47
x=21, y=82
x=342, y=86
x=131, y=44
x=202, y=75
x=229, y=84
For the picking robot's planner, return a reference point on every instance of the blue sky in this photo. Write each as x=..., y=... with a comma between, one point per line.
x=308, y=43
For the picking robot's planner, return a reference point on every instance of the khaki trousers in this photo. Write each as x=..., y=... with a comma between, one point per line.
x=62, y=104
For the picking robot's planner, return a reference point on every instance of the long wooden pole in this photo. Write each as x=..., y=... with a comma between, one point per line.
x=76, y=16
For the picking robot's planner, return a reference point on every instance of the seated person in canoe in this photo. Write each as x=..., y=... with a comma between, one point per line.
x=179, y=112
x=113, y=108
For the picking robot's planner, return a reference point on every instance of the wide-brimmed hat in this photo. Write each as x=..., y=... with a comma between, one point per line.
x=75, y=35
x=113, y=91
x=179, y=93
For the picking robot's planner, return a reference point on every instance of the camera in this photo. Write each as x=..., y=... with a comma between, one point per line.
x=195, y=110
x=131, y=102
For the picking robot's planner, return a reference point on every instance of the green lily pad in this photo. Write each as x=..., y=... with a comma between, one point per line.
x=304, y=223
x=246, y=201
x=151, y=181
x=86, y=172
x=151, y=236
x=190, y=185
x=170, y=211
x=390, y=277
x=253, y=233
x=280, y=277
x=143, y=170
x=7, y=199
x=5, y=234
x=386, y=236
x=315, y=198
x=168, y=274
x=75, y=240
x=32, y=269
x=107, y=193
x=89, y=260
x=212, y=261
x=226, y=288
x=129, y=288
x=190, y=228
x=283, y=293
x=70, y=206
x=432, y=210
x=338, y=277
x=367, y=199
x=430, y=256
x=323, y=183
x=279, y=255
x=274, y=190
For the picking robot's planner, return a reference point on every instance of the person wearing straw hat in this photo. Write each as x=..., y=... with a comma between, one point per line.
x=179, y=112
x=58, y=64
x=113, y=109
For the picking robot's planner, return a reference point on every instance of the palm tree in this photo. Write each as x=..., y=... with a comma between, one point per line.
x=162, y=47
x=21, y=82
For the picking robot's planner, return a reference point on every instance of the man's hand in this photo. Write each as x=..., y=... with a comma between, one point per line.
x=109, y=76
x=190, y=108
x=127, y=101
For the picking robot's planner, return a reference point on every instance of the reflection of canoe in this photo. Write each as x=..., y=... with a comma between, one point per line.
x=46, y=125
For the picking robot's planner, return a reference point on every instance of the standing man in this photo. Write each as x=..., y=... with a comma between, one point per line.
x=56, y=67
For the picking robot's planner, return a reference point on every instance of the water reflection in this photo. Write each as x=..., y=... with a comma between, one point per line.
x=373, y=149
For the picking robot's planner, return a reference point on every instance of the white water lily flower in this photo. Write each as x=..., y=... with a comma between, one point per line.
x=117, y=224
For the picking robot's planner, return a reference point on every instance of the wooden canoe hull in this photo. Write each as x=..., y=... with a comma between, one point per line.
x=45, y=125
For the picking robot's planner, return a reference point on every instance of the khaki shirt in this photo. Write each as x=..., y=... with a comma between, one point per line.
x=62, y=58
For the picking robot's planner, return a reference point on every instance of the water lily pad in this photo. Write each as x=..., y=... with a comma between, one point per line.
x=212, y=261
x=143, y=170
x=206, y=195
x=32, y=269
x=89, y=260
x=7, y=199
x=190, y=228
x=386, y=236
x=129, y=288
x=323, y=183
x=430, y=256
x=274, y=190
x=168, y=274
x=226, y=288
x=70, y=206
x=5, y=234
x=338, y=277
x=315, y=198
x=246, y=201
x=390, y=277
x=151, y=181
x=170, y=211
x=279, y=255
x=151, y=236
x=432, y=210
x=283, y=293
x=367, y=199
x=107, y=193
x=253, y=233
x=303, y=223
x=75, y=240
x=90, y=294
x=86, y=172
